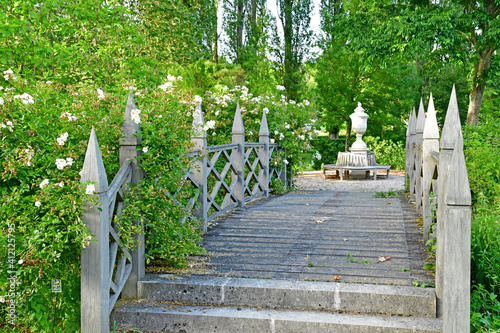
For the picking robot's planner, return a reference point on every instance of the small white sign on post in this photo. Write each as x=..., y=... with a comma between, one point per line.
x=56, y=286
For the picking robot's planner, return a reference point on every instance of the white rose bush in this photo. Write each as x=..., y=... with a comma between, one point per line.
x=43, y=141
x=42, y=148
x=292, y=124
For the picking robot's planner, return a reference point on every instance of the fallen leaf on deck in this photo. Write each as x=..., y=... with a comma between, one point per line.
x=259, y=307
x=307, y=258
x=387, y=258
x=381, y=259
x=336, y=277
x=389, y=203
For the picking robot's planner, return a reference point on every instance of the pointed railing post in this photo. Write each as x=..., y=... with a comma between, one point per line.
x=283, y=176
x=413, y=133
x=95, y=279
x=457, y=243
x=419, y=140
x=451, y=137
x=407, y=151
x=264, y=154
x=129, y=145
x=239, y=160
x=199, y=169
x=431, y=143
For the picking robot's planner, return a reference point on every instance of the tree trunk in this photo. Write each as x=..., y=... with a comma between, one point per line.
x=254, y=12
x=239, y=31
x=478, y=86
x=288, y=32
x=254, y=35
x=347, y=136
x=215, y=48
x=215, y=40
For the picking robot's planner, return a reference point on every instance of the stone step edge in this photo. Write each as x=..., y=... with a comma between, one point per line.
x=161, y=317
x=286, y=294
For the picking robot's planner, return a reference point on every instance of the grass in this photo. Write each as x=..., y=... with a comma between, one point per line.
x=389, y=194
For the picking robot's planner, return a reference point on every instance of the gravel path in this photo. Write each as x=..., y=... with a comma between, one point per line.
x=313, y=180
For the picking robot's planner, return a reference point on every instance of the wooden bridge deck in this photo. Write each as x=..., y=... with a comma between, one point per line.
x=320, y=236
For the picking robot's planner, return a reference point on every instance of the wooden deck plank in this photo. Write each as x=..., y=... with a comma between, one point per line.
x=316, y=235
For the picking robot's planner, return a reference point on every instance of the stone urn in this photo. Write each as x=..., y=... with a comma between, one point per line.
x=359, y=124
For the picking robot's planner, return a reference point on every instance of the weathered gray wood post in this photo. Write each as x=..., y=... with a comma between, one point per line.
x=454, y=227
x=446, y=146
x=283, y=176
x=407, y=151
x=264, y=154
x=239, y=159
x=128, y=151
x=199, y=169
x=431, y=143
x=95, y=270
x=413, y=133
x=419, y=140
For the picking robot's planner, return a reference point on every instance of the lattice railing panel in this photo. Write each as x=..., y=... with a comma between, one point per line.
x=277, y=168
x=254, y=169
x=120, y=259
x=221, y=178
x=175, y=195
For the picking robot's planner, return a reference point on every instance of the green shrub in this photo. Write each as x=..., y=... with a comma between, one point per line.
x=328, y=148
x=292, y=124
x=482, y=154
x=42, y=201
x=387, y=152
x=485, y=310
x=166, y=138
x=485, y=249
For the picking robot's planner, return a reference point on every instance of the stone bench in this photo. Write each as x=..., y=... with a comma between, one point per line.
x=354, y=162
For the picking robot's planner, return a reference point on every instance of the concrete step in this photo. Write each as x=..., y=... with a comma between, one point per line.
x=162, y=317
x=294, y=295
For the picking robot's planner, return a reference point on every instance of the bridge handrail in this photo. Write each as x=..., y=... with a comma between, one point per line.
x=438, y=178
x=108, y=268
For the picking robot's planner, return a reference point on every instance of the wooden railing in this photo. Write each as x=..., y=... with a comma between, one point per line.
x=107, y=267
x=438, y=181
x=277, y=171
x=244, y=174
x=226, y=176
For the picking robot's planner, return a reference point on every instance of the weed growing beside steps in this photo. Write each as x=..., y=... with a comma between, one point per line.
x=482, y=155
x=389, y=194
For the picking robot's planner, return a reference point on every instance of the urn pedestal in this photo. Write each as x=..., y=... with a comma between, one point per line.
x=359, y=124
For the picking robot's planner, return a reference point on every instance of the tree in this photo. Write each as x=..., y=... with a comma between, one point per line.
x=69, y=41
x=330, y=10
x=480, y=25
x=344, y=79
x=295, y=18
x=434, y=34
x=178, y=30
x=245, y=24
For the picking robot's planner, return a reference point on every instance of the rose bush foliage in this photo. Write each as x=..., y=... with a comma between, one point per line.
x=43, y=141
x=44, y=131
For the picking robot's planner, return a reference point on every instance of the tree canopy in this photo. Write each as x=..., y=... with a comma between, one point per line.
x=383, y=53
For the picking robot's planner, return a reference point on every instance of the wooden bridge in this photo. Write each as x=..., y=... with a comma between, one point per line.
x=309, y=261
x=321, y=236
